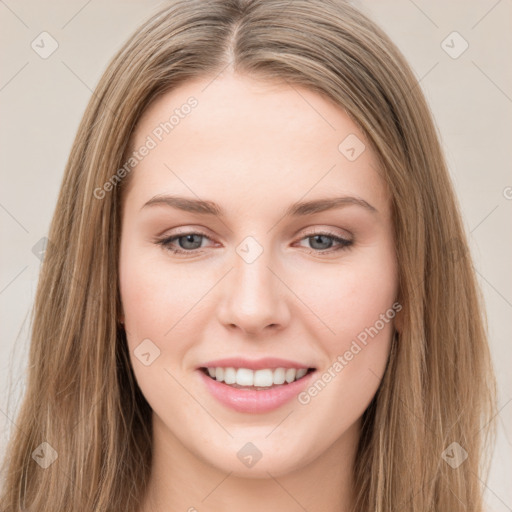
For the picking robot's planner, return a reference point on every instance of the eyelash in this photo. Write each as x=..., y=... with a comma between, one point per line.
x=344, y=243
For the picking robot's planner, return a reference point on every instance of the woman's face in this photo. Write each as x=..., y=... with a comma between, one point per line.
x=238, y=176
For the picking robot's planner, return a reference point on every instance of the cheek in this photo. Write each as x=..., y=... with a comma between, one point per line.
x=154, y=300
x=357, y=307
x=154, y=295
x=352, y=297
x=141, y=299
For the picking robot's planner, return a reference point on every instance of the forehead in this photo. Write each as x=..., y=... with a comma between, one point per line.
x=235, y=136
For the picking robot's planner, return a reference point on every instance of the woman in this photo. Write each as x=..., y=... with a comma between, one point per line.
x=257, y=292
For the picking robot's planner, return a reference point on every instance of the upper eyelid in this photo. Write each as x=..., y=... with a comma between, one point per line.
x=319, y=231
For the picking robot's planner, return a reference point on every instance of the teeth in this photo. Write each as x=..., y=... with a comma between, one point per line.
x=244, y=377
x=290, y=375
x=301, y=373
x=263, y=378
x=279, y=376
x=230, y=376
x=257, y=378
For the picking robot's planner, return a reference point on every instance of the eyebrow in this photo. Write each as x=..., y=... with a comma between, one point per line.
x=301, y=208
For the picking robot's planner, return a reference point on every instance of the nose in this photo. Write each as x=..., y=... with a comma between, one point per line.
x=254, y=299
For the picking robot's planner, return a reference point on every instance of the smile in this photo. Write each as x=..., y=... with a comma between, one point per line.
x=245, y=378
x=280, y=387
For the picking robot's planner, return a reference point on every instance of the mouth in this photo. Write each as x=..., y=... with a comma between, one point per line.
x=256, y=380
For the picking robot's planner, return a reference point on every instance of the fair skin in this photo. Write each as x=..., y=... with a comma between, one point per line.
x=254, y=148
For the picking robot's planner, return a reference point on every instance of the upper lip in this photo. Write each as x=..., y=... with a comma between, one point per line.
x=254, y=364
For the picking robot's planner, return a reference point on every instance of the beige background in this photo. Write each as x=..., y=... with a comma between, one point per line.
x=42, y=100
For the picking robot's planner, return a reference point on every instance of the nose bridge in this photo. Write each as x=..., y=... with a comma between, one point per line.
x=253, y=297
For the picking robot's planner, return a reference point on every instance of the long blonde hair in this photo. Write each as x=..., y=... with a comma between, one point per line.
x=81, y=396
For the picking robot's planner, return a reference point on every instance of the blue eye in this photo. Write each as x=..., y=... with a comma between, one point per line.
x=329, y=239
x=189, y=243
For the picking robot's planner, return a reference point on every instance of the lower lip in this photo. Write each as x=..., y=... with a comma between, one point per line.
x=253, y=401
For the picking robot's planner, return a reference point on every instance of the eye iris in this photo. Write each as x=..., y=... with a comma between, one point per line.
x=189, y=239
x=315, y=238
